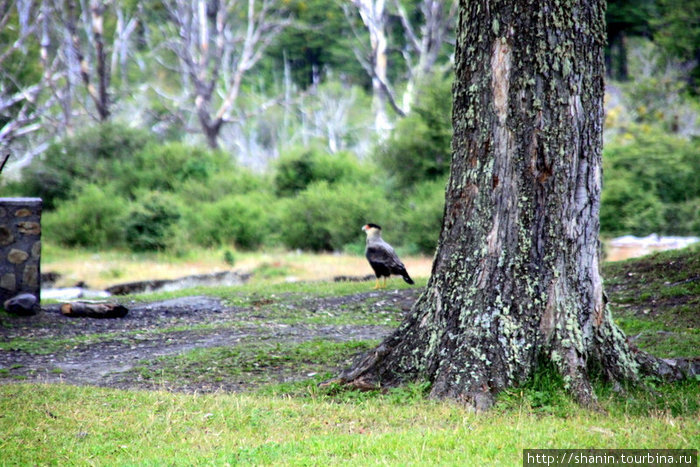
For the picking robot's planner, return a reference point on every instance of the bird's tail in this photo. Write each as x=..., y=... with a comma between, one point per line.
x=407, y=278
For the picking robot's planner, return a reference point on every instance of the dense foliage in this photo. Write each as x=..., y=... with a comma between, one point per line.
x=307, y=173
x=652, y=184
x=112, y=186
x=419, y=147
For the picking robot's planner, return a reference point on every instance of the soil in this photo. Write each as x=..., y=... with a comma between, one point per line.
x=101, y=352
x=664, y=288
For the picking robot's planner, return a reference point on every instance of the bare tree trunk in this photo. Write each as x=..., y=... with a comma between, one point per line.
x=375, y=17
x=18, y=99
x=100, y=73
x=516, y=278
x=217, y=42
x=97, y=9
x=424, y=42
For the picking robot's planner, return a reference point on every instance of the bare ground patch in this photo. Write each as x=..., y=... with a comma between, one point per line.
x=50, y=347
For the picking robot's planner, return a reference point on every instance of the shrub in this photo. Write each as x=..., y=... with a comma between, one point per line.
x=658, y=162
x=166, y=167
x=223, y=183
x=297, y=169
x=88, y=157
x=242, y=220
x=93, y=217
x=151, y=221
x=627, y=208
x=422, y=218
x=419, y=149
x=326, y=217
x=649, y=177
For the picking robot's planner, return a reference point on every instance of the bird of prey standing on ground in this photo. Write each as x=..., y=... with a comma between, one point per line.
x=382, y=257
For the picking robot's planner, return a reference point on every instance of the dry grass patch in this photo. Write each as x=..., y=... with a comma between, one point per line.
x=106, y=268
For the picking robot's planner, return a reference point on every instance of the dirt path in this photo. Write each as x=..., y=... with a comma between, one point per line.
x=50, y=347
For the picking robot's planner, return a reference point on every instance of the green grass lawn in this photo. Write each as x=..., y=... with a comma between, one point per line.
x=67, y=425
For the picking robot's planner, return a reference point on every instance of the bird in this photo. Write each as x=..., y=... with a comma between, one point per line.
x=382, y=257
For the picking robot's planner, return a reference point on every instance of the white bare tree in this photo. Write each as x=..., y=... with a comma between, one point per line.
x=76, y=70
x=216, y=43
x=374, y=59
x=18, y=97
x=424, y=39
x=85, y=25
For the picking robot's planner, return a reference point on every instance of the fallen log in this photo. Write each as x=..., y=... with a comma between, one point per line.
x=93, y=310
x=197, y=280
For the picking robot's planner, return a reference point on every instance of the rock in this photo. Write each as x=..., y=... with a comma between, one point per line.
x=364, y=278
x=29, y=228
x=6, y=236
x=49, y=278
x=8, y=281
x=16, y=256
x=24, y=304
x=24, y=212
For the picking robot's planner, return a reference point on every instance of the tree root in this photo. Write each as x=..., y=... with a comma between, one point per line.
x=668, y=369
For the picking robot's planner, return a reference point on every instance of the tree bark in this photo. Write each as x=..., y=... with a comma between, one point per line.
x=515, y=279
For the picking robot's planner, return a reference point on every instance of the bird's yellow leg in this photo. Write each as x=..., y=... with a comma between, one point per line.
x=384, y=282
x=376, y=284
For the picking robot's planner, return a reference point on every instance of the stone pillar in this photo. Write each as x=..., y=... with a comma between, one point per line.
x=20, y=248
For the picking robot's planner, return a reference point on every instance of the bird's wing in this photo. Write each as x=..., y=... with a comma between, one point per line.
x=384, y=254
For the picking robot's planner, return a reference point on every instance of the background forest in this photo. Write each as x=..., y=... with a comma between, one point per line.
x=163, y=124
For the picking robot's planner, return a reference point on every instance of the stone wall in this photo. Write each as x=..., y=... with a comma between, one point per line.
x=20, y=248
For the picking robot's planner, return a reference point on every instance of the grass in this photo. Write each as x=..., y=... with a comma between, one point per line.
x=101, y=269
x=50, y=345
x=256, y=293
x=252, y=362
x=70, y=425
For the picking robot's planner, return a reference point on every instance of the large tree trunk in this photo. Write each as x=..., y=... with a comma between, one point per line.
x=516, y=279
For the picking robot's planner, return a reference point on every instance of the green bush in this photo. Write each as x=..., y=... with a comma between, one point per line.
x=93, y=217
x=419, y=149
x=422, y=217
x=649, y=178
x=89, y=157
x=685, y=217
x=297, y=169
x=627, y=208
x=223, y=183
x=327, y=217
x=166, y=167
x=151, y=221
x=242, y=220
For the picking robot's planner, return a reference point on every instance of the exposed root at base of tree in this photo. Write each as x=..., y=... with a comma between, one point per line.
x=668, y=369
x=360, y=377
